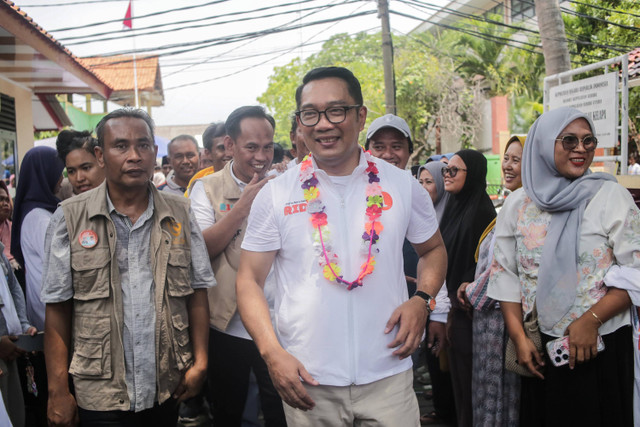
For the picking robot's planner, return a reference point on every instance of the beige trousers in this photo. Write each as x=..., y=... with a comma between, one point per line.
x=389, y=402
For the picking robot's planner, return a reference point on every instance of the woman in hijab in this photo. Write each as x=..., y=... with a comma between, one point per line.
x=496, y=392
x=467, y=214
x=430, y=177
x=560, y=241
x=39, y=180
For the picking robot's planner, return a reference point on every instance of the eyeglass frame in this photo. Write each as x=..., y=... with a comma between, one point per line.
x=579, y=141
x=450, y=170
x=344, y=108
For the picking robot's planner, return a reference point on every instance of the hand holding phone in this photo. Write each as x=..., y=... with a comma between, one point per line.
x=31, y=343
x=558, y=350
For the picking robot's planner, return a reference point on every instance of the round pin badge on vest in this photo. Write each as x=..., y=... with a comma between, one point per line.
x=88, y=239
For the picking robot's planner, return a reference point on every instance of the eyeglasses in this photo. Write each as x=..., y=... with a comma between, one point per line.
x=570, y=142
x=451, y=170
x=335, y=115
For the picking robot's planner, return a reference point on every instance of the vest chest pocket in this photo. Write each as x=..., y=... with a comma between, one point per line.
x=92, y=347
x=182, y=341
x=90, y=273
x=179, y=273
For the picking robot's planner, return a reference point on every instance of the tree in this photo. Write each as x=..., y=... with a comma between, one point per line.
x=602, y=29
x=482, y=56
x=279, y=98
x=553, y=37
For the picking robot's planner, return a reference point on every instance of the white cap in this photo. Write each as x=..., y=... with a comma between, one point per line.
x=389, y=121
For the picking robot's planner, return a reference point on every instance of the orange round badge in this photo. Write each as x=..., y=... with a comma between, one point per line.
x=88, y=239
x=387, y=201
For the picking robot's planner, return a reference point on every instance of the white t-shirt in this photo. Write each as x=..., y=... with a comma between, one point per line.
x=634, y=169
x=32, y=233
x=338, y=335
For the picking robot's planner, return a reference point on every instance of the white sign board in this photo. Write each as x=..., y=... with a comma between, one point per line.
x=597, y=98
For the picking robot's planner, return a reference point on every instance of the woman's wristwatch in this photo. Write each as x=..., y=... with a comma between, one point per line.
x=428, y=299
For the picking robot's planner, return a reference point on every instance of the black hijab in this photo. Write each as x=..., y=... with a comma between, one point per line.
x=39, y=173
x=465, y=217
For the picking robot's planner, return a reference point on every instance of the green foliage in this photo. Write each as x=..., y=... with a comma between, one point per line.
x=595, y=40
x=44, y=134
x=279, y=98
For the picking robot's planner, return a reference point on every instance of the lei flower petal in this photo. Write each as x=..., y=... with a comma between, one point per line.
x=306, y=174
x=368, y=268
x=328, y=260
x=328, y=274
x=373, y=212
x=375, y=200
x=311, y=194
x=315, y=206
x=319, y=219
x=367, y=237
x=372, y=168
x=373, y=189
x=377, y=227
x=309, y=183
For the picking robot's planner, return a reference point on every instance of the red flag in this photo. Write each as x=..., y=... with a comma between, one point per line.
x=128, y=20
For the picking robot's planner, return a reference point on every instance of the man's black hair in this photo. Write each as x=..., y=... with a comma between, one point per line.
x=124, y=112
x=278, y=153
x=213, y=131
x=294, y=124
x=353, y=85
x=182, y=138
x=232, y=125
x=69, y=140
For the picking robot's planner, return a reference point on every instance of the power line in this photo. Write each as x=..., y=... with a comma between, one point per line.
x=604, y=8
x=162, y=12
x=226, y=75
x=496, y=39
x=616, y=48
x=71, y=4
x=121, y=34
x=269, y=60
x=192, y=46
x=130, y=34
x=252, y=40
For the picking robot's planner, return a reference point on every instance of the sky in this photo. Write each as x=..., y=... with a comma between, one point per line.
x=204, y=85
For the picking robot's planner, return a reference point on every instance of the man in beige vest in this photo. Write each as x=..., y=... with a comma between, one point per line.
x=221, y=203
x=124, y=280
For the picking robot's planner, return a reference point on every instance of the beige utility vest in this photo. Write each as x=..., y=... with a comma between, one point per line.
x=223, y=192
x=97, y=364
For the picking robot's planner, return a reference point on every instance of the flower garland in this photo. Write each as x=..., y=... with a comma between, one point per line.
x=328, y=260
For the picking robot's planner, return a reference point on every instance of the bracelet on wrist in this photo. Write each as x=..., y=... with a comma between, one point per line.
x=596, y=316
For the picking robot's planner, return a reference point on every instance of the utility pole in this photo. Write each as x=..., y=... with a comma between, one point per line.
x=387, y=58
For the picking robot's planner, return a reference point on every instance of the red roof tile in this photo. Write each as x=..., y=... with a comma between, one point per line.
x=117, y=71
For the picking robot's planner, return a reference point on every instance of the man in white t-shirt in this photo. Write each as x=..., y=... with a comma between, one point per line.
x=221, y=204
x=344, y=327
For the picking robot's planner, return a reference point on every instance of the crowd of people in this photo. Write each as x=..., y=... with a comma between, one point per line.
x=225, y=284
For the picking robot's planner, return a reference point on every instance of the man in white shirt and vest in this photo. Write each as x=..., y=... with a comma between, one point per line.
x=221, y=203
x=333, y=228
